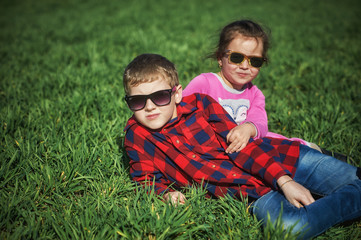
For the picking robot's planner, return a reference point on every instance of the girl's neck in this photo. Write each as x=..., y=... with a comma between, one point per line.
x=239, y=88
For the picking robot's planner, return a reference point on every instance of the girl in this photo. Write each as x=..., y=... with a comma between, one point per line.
x=241, y=52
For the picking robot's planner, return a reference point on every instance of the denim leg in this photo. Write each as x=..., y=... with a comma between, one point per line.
x=322, y=174
x=334, y=179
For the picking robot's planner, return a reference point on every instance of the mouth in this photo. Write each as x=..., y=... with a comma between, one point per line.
x=152, y=116
x=242, y=75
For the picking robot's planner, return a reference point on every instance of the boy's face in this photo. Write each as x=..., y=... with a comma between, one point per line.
x=153, y=116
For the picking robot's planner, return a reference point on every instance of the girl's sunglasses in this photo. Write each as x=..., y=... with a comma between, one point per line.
x=238, y=58
x=159, y=98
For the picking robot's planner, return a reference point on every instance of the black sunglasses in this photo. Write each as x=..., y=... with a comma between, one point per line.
x=238, y=58
x=159, y=98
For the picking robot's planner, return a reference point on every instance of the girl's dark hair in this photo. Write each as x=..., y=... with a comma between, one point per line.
x=247, y=28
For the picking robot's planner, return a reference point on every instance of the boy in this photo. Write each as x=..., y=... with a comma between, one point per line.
x=179, y=142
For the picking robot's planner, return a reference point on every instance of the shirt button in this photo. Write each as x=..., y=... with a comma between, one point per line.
x=177, y=141
x=164, y=130
x=234, y=174
x=193, y=156
x=213, y=166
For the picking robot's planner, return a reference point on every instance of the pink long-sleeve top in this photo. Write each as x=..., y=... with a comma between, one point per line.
x=247, y=105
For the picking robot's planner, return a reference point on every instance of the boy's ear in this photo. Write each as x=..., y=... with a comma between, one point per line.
x=178, y=94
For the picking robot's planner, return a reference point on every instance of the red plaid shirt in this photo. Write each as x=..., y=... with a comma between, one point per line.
x=191, y=149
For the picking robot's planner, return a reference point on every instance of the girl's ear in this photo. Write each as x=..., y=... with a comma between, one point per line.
x=178, y=94
x=219, y=63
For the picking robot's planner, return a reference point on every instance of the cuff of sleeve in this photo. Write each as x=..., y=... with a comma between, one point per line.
x=275, y=171
x=256, y=135
x=162, y=190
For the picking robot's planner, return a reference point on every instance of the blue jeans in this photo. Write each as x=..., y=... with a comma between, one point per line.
x=335, y=180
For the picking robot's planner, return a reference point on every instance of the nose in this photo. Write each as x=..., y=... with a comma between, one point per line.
x=149, y=105
x=245, y=63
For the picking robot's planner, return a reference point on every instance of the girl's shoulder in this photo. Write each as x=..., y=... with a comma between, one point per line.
x=252, y=91
x=202, y=84
x=251, y=87
x=205, y=77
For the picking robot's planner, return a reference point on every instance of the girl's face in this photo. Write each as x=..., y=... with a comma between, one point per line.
x=236, y=76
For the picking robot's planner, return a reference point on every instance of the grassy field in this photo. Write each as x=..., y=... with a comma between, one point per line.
x=63, y=174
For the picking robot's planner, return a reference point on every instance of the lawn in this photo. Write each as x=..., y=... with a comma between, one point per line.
x=63, y=172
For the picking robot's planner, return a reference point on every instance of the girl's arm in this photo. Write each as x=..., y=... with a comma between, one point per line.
x=257, y=114
x=254, y=126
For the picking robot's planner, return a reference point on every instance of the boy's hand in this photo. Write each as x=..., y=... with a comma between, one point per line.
x=239, y=136
x=174, y=197
x=294, y=192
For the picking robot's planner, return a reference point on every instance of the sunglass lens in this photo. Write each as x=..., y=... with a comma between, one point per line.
x=136, y=102
x=161, y=98
x=236, y=57
x=256, y=62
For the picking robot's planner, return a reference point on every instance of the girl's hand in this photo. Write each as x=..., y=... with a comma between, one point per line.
x=175, y=197
x=294, y=192
x=239, y=136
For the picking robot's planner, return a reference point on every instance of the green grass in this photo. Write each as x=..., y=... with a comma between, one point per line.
x=63, y=174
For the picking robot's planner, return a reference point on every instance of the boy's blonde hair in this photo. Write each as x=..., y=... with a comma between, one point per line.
x=148, y=68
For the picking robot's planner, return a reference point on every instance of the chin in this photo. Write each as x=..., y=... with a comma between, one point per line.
x=154, y=125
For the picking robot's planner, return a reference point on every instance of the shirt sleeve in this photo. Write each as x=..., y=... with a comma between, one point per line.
x=217, y=117
x=264, y=161
x=257, y=113
x=258, y=158
x=143, y=168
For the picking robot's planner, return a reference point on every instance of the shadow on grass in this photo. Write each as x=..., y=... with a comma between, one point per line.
x=124, y=159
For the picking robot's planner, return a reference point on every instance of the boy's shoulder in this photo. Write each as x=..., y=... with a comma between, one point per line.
x=131, y=123
x=195, y=98
x=197, y=101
